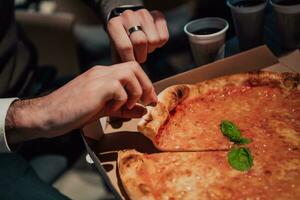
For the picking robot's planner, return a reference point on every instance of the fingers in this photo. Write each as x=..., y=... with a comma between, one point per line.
x=131, y=76
x=148, y=95
x=133, y=88
x=119, y=96
x=120, y=39
x=138, y=38
x=137, y=45
x=136, y=82
x=150, y=30
x=119, y=86
x=161, y=26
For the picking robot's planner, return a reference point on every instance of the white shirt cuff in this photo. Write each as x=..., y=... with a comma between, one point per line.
x=4, y=106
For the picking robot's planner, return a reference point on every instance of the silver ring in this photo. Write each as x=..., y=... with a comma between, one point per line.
x=134, y=29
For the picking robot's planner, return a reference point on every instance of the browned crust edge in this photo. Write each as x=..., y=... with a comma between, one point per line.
x=169, y=98
x=156, y=116
x=128, y=162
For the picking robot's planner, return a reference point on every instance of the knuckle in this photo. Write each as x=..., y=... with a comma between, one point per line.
x=144, y=13
x=126, y=48
x=141, y=41
x=115, y=85
x=137, y=93
x=127, y=13
x=164, y=38
x=134, y=66
x=154, y=41
x=123, y=98
x=112, y=23
x=127, y=73
x=147, y=87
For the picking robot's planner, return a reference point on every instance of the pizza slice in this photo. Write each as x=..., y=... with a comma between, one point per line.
x=264, y=105
x=207, y=175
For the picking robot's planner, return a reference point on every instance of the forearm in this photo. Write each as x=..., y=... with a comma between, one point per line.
x=26, y=120
x=96, y=93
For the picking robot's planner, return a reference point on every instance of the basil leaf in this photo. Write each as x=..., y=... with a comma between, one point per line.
x=243, y=140
x=230, y=130
x=240, y=158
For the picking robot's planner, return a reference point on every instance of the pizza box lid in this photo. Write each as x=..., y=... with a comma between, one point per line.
x=103, y=138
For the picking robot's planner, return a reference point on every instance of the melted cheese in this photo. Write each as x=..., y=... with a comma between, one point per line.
x=207, y=175
x=268, y=115
x=194, y=124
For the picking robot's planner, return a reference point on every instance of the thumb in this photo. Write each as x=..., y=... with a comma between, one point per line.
x=136, y=112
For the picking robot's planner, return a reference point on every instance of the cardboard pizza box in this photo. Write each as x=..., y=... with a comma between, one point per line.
x=291, y=60
x=103, y=139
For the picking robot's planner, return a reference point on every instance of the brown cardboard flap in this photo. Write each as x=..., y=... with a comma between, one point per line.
x=251, y=60
x=93, y=130
x=278, y=68
x=291, y=60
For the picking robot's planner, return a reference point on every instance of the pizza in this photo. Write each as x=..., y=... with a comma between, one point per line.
x=207, y=175
x=187, y=117
x=233, y=137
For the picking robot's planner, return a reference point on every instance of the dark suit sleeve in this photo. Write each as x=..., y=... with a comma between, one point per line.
x=105, y=6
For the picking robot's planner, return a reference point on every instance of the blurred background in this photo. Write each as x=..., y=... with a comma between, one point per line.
x=68, y=38
x=73, y=34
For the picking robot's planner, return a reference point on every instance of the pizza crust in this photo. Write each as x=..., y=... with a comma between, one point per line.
x=129, y=162
x=168, y=175
x=167, y=101
x=207, y=175
x=169, y=98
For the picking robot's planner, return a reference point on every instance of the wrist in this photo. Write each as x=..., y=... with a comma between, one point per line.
x=117, y=11
x=25, y=120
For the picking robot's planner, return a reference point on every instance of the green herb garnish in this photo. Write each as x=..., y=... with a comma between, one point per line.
x=240, y=158
x=243, y=140
x=232, y=132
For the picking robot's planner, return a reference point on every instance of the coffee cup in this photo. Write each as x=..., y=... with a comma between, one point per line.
x=207, y=39
x=248, y=17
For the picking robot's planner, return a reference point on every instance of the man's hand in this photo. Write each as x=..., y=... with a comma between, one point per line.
x=101, y=91
x=137, y=45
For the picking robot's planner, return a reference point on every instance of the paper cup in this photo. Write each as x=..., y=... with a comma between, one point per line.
x=288, y=22
x=207, y=46
x=248, y=21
